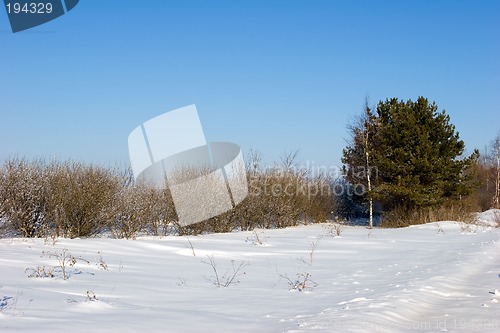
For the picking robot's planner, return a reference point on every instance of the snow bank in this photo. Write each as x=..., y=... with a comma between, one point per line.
x=427, y=278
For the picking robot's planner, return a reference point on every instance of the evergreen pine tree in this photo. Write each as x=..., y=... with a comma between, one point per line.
x=416, y=152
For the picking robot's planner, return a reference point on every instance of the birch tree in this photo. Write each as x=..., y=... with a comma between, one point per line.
x=357, y=156
x=496, y=156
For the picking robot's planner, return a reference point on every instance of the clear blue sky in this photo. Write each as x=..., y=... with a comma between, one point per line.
x=270, y=75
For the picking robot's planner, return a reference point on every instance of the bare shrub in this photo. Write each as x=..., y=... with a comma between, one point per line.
x=71, y=199
x=224, y=222
x=279, y=199
x=50, y=239
x=79, y=195
x=456, y=210
x=312, y=249
x=139, y=208
x=40, y=272
x=65, y=260
x=101, y=264
x=399, y=218
x=318, y=199
x=228, y=278
x=301, y=282
x=257, y=238
x=23, y=197
x=56, y=199
x=334, y=229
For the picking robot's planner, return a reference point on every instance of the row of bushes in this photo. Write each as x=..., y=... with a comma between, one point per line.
x=463, y=210
x=71, y=199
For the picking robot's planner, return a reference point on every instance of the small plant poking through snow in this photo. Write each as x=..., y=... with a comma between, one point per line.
x=51, y=239
x=227, y=278
x=312, y=249
x=91, y=297
x=40, y=272
x=191, y=247
x=65, y=260
x=181, y=282
x=257, y=238
x=333, y=229
x=302, y=282
x=101, y=264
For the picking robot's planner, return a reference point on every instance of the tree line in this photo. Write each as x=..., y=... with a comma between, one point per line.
x=404, y=165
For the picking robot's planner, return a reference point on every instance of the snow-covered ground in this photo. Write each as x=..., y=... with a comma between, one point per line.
x=430, y=278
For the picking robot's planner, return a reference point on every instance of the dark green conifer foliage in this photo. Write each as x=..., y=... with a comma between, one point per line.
x=416, y=152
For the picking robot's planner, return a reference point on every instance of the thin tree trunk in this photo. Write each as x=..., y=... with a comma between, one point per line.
x=368, y=179
x=496, y=200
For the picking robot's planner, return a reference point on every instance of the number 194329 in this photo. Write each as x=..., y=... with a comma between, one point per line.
x=29, y=8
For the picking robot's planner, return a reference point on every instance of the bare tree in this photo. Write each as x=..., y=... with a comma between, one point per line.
x=253, y=161
x=288, y=160
x=358, y=154
x=366, y=138
x=496, y=156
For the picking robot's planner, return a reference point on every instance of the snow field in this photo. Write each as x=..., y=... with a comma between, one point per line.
x=429, y=278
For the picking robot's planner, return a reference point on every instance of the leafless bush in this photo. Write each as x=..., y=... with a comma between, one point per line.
x=273, y=201
x=139, y=208
x=228, y=278
x=334, y=229
x=78, y=196
x=459, y=210
x=24, y=197
x=71, y=199
x=281, y=199
x=101, y=264
x=400, y=217
x=40, y=272
x=50, y=239
x=65, y=260
x=57, y=199
x=312, y=249
x=277, y=198
x=257, y=238
x=301, y=282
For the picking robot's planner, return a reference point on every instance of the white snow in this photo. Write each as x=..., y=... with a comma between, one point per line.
x=429, y=278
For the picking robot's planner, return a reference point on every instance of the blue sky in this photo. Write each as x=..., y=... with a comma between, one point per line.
x=270, y=75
